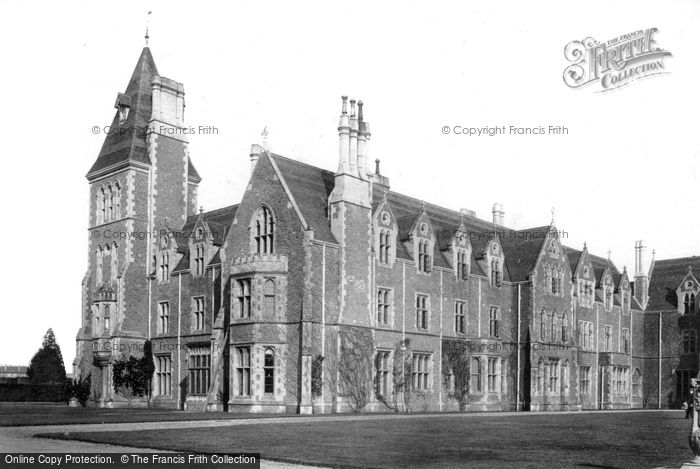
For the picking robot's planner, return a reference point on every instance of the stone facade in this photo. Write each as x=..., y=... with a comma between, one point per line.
x=323, y=291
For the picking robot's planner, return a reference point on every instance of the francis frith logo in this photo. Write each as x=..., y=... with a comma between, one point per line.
x=616, y=62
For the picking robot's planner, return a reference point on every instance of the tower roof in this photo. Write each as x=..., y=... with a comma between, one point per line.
x=126, y=142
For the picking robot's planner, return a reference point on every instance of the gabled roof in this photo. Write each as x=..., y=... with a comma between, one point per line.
x=599, y=265
x=219, y=222
x=310, y=186
x=666, y=277
x=130, y=145
x=127, y=142
x=521, y=249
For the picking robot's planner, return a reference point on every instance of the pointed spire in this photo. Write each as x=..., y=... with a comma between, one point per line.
x=139, y=92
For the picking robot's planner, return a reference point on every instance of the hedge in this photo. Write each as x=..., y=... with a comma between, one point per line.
x=15, y=392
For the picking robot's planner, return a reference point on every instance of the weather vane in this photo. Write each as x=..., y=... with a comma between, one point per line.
x=264, y=138
x=148, y=16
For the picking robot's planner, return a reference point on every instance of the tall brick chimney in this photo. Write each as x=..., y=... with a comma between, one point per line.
x=498, y=214
x=363, y=135
x=641, y=279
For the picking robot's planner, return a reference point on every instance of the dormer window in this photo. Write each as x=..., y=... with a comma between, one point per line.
x=385, y=247
x=424, y=261
x=263, y=231
x=164, y=266
x=199, y=260
x=608, y=293
x=123, y=106
x=689, y=303
x=496, y=272
x=462, y=268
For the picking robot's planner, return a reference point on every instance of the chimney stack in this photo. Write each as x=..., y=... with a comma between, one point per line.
x=354, y=129
x=255, y=152
x=363, y=135
x=344, y=139
x=498, y=214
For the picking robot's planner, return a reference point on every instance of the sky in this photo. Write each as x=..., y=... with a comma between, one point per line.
x=626, y=170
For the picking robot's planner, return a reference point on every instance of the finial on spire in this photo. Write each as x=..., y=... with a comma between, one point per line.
x=264, y=138
x=553, y=213
x=584, y=245
x=376, y=167
x=359, y=111
x=201, y=209
x=609, y=254
x=148, y=16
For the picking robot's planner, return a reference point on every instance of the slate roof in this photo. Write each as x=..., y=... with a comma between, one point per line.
x=521, y=249
x=219, y=222
x=666, y=277
x=599, y=264
x=129, y=145
x=311, y=186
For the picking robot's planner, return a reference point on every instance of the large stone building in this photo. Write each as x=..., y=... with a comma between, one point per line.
x=409, y=304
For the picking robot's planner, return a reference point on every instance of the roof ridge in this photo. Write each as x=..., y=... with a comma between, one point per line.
x=276, y=155
x=678, y=259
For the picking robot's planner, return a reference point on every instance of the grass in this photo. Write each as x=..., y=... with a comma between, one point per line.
x=605, y=440
x=43, y=414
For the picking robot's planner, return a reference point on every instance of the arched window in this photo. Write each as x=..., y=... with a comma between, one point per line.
x=114, y=263
x=560, y=280
x=423, y=256
x=101, y=205
x=164, y=267
x=109, y=202
x=98, y=262
x=199, y=260
x=554, y=326
x=269, y=299
x=543, y=325
x=565, y=377
x=496, y=272
x=548, y=277
x=564, y=327
x=540, y=376
x=686, y=304
x=117, y=206
x=269, y=368
x=107, y=264
x=106, y=316
x=264, y=228
x=590, y=336
x=691, y=305
x=462, y=265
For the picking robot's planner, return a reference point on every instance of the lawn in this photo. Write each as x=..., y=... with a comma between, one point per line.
x=590, y=440
x=47, y=414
